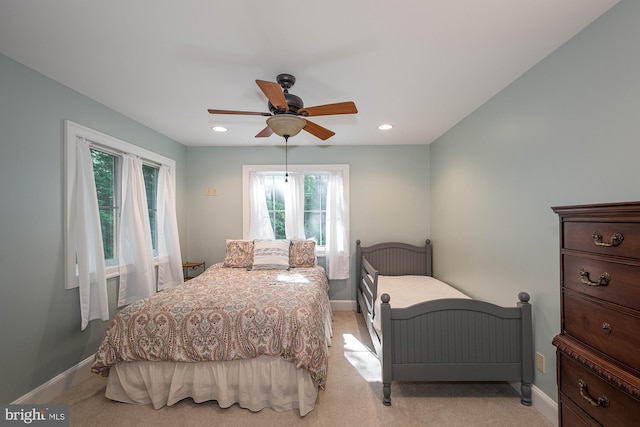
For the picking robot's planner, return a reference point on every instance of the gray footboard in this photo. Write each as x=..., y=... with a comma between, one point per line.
x=457, y=340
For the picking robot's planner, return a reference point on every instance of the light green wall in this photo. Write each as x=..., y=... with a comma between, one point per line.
x=389, y=191
x=567, y=132
x=40, y=332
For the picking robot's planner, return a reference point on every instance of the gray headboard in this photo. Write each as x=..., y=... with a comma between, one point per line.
x=397, y=259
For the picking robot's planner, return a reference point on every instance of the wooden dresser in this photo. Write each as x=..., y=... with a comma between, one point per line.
x=598, y=348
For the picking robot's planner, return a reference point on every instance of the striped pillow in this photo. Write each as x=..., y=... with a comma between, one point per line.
x=271, y=255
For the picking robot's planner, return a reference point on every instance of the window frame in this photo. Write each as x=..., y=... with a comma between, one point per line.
x=280, y=170
x=108, y=144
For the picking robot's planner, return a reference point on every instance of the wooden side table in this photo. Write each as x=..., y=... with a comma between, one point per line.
x=193, y=266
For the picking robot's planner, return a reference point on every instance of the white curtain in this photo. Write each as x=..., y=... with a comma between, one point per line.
x=135, y=247
x=169, y=256
x=87, y=235
x=260, y=226
x=294, y=207
x=337, y=244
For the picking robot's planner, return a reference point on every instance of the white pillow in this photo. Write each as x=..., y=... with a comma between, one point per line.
x=271, y=255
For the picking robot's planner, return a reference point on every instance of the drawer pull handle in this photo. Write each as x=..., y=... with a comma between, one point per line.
x=604, y=279
x=616, y=239
x=602, y=400
x=606, y=327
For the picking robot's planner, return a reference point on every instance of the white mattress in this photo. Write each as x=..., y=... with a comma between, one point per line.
x=409, y=290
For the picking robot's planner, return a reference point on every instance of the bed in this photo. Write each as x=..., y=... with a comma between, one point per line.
x=256, y=337
x=448, y=337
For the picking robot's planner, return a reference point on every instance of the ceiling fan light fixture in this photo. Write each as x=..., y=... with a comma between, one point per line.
x=385, y=126
x=286, y=124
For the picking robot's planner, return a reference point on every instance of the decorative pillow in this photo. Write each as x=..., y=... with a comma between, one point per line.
x=270, y=255
x=302, y=253
x=239, y=254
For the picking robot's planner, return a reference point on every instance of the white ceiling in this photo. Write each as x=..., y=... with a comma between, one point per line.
x=422, y=65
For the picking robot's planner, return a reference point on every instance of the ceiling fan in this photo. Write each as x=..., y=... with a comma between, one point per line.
x=288, y=116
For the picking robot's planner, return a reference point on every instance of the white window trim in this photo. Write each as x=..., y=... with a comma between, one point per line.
x=308, y=169
x=73, y=131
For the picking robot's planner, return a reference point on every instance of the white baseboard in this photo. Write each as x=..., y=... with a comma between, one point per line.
x=343, y=305
x=58, y=385
x=542, y=403
x=545, y=405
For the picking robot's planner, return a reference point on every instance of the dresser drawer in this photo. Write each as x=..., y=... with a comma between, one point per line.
x=585, y=389
x=609, y=281
x=580, y=236
x=572, y=416
x=609, y=331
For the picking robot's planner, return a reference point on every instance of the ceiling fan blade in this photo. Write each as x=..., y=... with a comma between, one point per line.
x=264, y=133
x=319, y=131
x=329, y=109
x=274, y=93
x=246, y=113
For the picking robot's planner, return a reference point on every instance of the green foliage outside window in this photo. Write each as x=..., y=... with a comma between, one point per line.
x=315, y=198
x=315, y=209
x=150, y=174
x=106, y=172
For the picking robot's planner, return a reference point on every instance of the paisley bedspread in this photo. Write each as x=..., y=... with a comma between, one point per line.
x=226, y=314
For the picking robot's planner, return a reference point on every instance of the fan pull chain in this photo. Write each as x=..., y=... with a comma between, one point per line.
x=286, y=158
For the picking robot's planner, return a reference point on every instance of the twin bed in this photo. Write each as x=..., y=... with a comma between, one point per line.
x=255, y=330
x=446, y=337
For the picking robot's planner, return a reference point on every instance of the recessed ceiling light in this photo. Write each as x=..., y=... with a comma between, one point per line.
x=219, y=128
x=385, y=126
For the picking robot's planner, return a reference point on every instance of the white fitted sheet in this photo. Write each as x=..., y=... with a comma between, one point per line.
x=409, y=290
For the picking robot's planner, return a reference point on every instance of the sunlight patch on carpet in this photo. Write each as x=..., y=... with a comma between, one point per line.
x=361, y=358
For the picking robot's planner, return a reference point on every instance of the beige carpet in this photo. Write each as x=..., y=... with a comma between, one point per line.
x=353, y=397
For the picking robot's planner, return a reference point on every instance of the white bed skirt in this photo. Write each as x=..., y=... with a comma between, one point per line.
x=263, y=382
x=255, y=384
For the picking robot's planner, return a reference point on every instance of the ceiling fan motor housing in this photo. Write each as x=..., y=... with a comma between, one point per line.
x=294, y=102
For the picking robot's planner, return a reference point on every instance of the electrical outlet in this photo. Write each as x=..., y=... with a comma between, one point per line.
x=540, y=362
x=211, y=191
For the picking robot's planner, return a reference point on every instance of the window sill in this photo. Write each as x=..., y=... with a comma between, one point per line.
x=114, y=270
x=111, y=271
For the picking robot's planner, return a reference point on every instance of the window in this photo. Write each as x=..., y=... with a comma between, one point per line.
x=315, y=198
x=150, y=174
x=315, y=205
x=106, y=154
x=106, y=171
x=274, y=194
